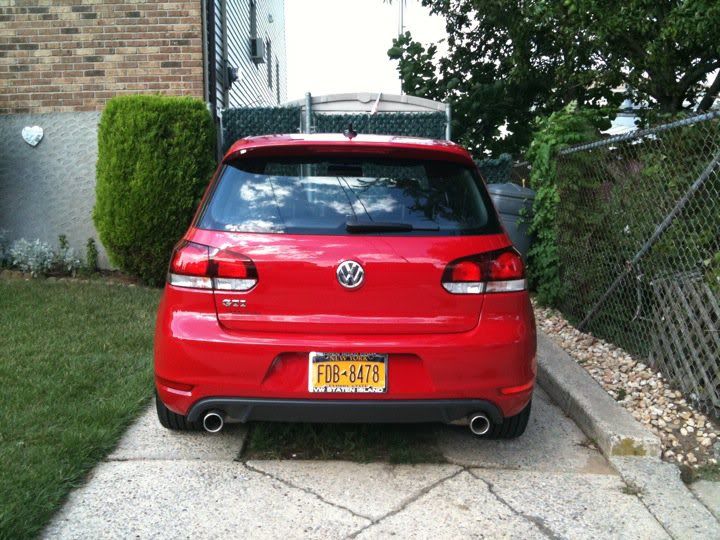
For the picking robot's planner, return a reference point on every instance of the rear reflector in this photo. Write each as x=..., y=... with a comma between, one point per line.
x=510, y=390
x=183, y=387
x=493, y=272
x=194, y=266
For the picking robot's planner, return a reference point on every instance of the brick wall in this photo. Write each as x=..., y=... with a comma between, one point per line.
x=73, y=55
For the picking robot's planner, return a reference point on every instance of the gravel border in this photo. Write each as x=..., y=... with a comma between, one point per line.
x=688, y=437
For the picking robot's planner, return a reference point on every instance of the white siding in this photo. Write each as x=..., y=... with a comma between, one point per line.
x=232, y=46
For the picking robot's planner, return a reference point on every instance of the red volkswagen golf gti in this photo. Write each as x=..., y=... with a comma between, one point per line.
x=335, y=279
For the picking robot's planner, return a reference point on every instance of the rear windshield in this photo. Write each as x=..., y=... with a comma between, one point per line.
x=349, y=196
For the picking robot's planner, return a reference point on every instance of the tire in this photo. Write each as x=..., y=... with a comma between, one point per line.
x=171, y=420
x=511, y=427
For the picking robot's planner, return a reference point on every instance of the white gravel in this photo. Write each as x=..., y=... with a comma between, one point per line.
x=688, y=436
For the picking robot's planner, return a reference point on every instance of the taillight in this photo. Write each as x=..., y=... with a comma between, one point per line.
x=495, y=271
x=199, y=267
x=190, y=266
x=233, y=271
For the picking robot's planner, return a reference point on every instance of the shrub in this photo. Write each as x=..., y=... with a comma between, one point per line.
x=34, y=258
x=612, y=199
x=561, y=129
x=91, y=255
x=65, y=259
x=38, y=258
x=155, y=157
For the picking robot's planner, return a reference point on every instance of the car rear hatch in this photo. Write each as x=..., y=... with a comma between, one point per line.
x=344, y=244
x=298, y=290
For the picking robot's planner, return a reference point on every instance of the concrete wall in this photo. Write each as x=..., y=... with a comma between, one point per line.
x=50, y=189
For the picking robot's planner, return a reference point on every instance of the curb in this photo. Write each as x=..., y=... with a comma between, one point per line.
x=630, y=448
x=611, y=427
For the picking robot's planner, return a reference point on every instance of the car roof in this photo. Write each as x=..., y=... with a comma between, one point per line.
x=334, y=143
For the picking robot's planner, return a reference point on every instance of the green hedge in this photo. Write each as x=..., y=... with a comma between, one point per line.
x=155, y=157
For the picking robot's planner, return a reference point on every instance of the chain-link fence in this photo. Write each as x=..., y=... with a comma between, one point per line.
x=638, y=235
x=246, y=121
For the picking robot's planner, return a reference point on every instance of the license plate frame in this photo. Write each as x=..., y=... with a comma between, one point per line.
x=343, y=361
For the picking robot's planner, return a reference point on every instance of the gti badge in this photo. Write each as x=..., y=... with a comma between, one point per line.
x=234, y=302
x=350, y=274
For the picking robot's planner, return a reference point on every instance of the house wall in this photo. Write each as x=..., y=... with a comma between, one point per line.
x=49, y=189
x=61, y=60
x=73, y=55
x=254, y=87
x=258, y=82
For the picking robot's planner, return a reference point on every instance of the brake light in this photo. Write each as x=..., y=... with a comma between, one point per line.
x=233, y=271
x=495, y=271
x=190, y=266
x=193, y=265
x=466, y=271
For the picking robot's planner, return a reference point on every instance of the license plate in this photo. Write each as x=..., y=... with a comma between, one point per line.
x=347, y=372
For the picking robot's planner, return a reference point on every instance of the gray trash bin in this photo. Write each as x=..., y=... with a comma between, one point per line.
x=514, y=203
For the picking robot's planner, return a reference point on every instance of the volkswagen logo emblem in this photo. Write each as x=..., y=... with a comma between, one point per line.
x=350, y=274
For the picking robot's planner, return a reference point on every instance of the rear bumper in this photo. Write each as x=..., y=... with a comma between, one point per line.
x=266, y=374
x=344, y=411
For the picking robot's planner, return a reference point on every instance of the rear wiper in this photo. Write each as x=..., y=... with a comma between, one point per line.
x=379, y=226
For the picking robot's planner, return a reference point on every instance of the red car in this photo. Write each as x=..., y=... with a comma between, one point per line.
x=329, y=278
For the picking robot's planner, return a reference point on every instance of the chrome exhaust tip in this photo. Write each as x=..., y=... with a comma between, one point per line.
x=213, y=421
x=479, y=424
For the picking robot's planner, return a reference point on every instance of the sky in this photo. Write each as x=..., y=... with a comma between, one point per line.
x=337, y=46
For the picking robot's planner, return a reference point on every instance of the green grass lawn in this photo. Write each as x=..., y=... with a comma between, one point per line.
x=76, y=368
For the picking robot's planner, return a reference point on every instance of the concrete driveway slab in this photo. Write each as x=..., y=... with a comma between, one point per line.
x=191, y=499
x=709, y=494
x=552, y=442
x=664, y=494
x=368, y=489
x=147, y=439
x=461, y=507
x=549, y=483
x=574, y=505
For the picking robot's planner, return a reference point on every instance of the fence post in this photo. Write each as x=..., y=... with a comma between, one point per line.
x=448, y=118
x=308, y=112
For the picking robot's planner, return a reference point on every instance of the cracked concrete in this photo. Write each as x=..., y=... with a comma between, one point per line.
x=372, y=490
x=551, y=483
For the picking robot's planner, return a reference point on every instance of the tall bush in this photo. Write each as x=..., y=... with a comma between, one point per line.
x=561, y=129
x=155, y=157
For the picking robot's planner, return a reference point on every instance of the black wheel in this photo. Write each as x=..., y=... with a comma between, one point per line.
x=171, y=420
x=511, y=427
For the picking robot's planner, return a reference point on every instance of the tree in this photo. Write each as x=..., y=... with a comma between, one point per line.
x=509, y=61
x=665, y=49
